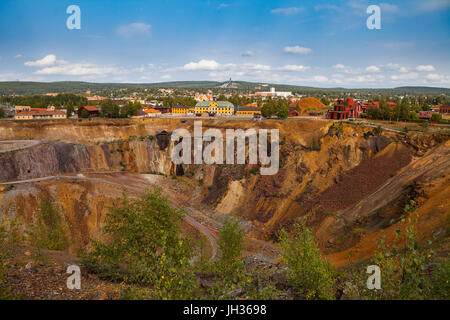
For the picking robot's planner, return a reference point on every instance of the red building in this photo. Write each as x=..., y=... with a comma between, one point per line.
x=92, y=111
x=293, y=112
x=367, y=105
x=444, y=108
x=425, y=114
x=341, y=111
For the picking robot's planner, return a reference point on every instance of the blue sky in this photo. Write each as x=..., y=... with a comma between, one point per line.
x=313, y=43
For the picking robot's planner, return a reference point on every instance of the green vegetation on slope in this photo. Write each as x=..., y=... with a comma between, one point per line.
x=144, y=246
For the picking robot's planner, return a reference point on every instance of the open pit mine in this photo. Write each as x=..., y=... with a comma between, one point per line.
x=347, y=183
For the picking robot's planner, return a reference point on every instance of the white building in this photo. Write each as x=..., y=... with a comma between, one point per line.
x=273, y=93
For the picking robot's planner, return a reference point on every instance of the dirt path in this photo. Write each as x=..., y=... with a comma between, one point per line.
x=28, y=144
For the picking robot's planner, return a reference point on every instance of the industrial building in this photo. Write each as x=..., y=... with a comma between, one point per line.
x=28, y=113
x=214, y=107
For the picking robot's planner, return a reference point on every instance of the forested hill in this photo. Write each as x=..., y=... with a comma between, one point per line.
x=27, y=88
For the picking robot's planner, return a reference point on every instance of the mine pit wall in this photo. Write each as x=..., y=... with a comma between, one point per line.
x=312, y=158
x=58, y=158
x=83, y=204
x=314, y=162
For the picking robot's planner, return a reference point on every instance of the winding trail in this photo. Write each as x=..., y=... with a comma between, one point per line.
x=190, y=220
x=28, y=144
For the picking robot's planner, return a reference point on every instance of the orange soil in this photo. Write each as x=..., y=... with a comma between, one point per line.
x=433, y=214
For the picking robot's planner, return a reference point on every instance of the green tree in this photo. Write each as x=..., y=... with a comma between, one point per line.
x=283, y=112
x=109, y=109
x=325, y=101
x=84, y=114
x=145, y=246
x=436, y=117
x=310, y=274
x=130, y=109
x=70, y=109
x=2, y=113
x=373, y=113
x=230, y=265
x=268, y=109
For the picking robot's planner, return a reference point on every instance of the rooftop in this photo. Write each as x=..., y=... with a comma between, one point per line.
x=219, y=104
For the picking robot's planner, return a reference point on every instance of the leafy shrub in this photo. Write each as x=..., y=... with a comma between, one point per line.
x=440, y=281
x=310, y=274
x=144, y=246
x=253, y=171
x=232, y=281
x=436, y=117
x=378, y=131
x=403, y=269
x=231, y=243
x=49, y=231
x=4, y=290
x=338, y=129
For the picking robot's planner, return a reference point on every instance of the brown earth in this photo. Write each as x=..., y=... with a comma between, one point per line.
x=347, y=187
x=308, y=104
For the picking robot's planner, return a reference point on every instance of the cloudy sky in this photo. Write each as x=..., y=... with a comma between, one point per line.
x=313, y=43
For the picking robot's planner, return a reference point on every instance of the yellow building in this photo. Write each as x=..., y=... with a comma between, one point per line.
x=28, y=113
x=180, y=109
x=215, y=107
x=247, y=111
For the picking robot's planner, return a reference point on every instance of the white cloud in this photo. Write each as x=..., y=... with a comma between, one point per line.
x=395, y=67
x=433, y=5
x=388, y=8
x=438, y=79
x=320, y=79
x=132, y=29
x=366, y=78
x=248, y=53
x=434, y=76
x=345, y=69
x=286, y=11
x=19, y=77
x=78, y=69
x=253, y=66
x=17, y=56
x=48, y=60
x=297, y=50
x=405, y=76
x=8, y=76
x=202, y=65
x=294, y=67
x=166, y=76
x=49, y=65
x=426, y=68
x=372, y=69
